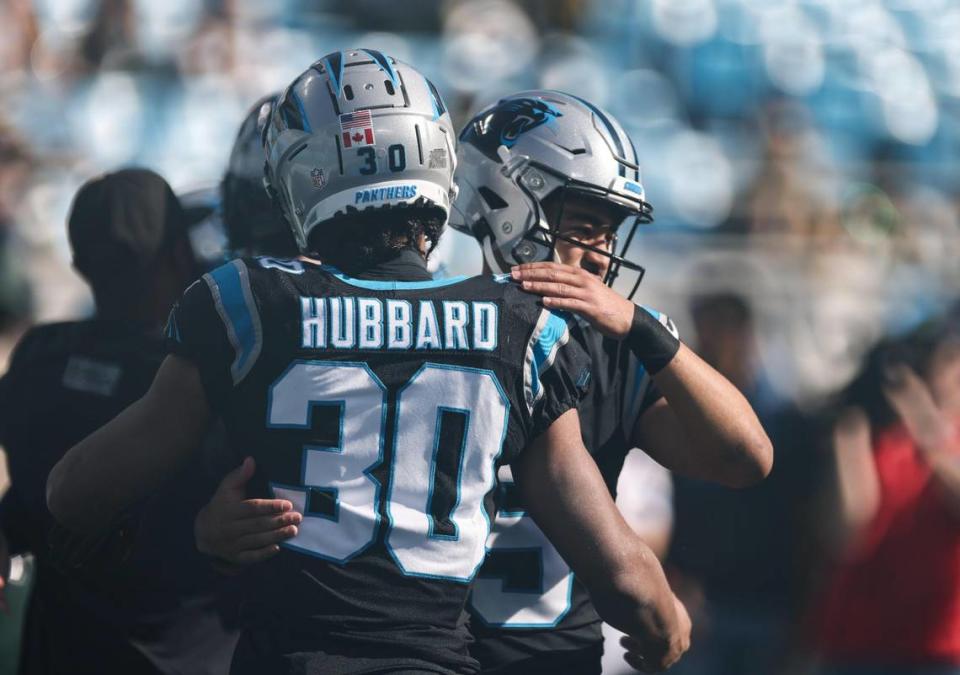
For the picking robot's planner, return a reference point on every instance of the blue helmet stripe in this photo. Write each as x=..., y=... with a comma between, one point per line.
x=334, y=65
x=438, y=107
x=303, y=112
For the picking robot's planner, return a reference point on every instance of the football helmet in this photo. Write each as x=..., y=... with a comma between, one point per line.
x=253, y=224
x=517, y=152
x=358, y=130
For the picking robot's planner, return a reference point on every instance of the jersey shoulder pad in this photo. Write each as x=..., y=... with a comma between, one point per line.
x=218, y=319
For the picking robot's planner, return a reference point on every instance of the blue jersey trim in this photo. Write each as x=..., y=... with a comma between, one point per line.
x=391, y=285
x=544, y=345
x=230, y=287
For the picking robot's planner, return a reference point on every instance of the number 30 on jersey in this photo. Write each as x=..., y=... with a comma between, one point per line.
x=413, y=539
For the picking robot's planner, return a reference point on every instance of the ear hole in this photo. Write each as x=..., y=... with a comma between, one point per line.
x=389, y=85
x=493, y=200
x=348, y=92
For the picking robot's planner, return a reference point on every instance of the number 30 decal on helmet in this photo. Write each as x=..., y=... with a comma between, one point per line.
x=358, y=130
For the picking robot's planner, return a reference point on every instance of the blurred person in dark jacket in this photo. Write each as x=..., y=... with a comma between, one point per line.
x=739, y=556
x=144, y=600
x=891, y=604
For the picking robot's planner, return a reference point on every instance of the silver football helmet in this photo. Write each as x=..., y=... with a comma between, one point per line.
x=524, y=148
x=358, y=130
x=253, y=224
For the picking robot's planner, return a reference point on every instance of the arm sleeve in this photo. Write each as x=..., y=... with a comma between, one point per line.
x=639, y=392
x=556, y=372
x=196, y=331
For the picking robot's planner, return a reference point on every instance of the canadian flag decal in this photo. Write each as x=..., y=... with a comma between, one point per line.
x=356, y=128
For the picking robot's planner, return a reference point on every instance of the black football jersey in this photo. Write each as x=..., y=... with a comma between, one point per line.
x=382, y=409
x=527, y=607
x=159, y=609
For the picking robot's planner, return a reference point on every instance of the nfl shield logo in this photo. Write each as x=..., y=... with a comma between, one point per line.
x=319, y=180
x=356, y=129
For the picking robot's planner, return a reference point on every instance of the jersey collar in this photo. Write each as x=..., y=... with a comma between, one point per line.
x=407, y=265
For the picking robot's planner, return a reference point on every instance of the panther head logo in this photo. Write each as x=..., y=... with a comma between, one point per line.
x=504, y=124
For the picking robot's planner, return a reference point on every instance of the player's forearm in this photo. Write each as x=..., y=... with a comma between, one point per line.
x=716, y=434
x=568, y=499
x=95, y=480
x=636, y=599
x=130, y=456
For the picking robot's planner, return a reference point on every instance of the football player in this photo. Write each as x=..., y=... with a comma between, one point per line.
x=253, y=223
x=547, y=183
x=143, y=600
x=380, y=402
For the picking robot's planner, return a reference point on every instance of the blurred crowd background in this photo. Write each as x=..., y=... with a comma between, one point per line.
x=801, y=157
x=804, y=147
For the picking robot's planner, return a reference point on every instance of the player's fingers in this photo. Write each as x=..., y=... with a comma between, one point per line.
x=247, y=526
x=238, y=477
x=912, y=400
x=543, y=265
x=560, y=274
x=562, y=290
x=256, y=555
x=637, y=663
x=257, y=540
x=570, y=304
x=634, y=654
x=253, y=508
x=907, y=392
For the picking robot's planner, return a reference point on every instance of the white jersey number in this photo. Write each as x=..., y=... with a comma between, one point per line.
x=538, y=597
x=413, y=538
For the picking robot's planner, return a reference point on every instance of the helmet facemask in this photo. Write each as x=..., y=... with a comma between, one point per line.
x=542, y=237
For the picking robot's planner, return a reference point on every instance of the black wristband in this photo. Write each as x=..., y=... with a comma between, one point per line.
x=653, y=343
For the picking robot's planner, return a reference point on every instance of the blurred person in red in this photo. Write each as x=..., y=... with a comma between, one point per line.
x=892, y=603
x=143, y=601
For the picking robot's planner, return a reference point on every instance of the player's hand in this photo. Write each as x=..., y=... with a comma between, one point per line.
x=577, y=290
x=933, y=431
x=638, y=649
x=243, y=531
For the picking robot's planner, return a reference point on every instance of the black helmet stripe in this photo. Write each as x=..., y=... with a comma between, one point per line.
x=636, y=159
x=384, y=63
x=610, y=130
